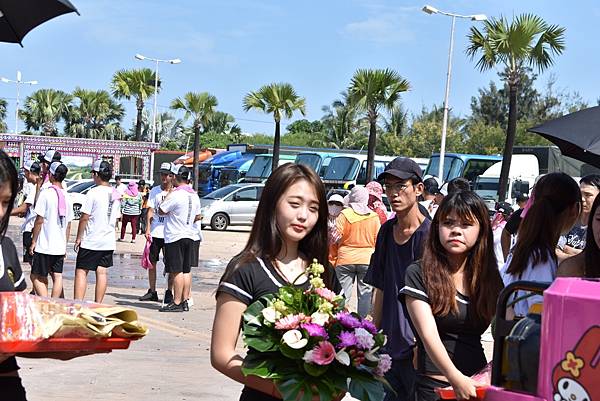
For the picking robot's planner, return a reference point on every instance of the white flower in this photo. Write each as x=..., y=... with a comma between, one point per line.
x=293, y=339
x=319, y=318
x=370, y=356
x=308, y=356
x=343, y=357
x=270, y=314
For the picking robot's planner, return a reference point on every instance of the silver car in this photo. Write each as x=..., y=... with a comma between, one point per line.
x=233, y=205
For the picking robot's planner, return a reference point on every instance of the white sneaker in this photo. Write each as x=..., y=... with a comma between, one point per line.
x=190, y=302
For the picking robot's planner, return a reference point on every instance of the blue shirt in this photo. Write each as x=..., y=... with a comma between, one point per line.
x=386, y=273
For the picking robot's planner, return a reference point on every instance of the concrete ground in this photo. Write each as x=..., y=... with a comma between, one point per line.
x=172, y=362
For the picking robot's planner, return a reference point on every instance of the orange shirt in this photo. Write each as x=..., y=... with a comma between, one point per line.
x=358, y=237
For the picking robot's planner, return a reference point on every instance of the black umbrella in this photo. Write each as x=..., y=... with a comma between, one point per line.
x=576, y=134
x=18, y=17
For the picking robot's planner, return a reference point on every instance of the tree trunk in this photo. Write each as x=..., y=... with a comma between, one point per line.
x=196, y=156
x=276, y=145
x=138, y=122
x=371, y=148
x=510, y=139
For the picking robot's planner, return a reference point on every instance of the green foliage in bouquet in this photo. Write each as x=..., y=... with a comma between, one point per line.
x=309, y=345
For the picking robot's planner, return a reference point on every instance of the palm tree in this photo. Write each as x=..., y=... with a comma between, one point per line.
x=201, y=107
x=94, y=114
x=369, y=92
x=44, y=108
x=3, y=104
x=397, y=122
x=526, y=41
x=138, y=84
x=279, y=99
x=340, y=124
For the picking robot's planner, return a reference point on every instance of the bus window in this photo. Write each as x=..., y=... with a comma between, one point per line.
x=475, y=168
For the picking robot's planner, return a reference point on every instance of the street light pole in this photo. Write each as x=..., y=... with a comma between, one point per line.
x=475, y=17
x=17, y=82
x=153, y=138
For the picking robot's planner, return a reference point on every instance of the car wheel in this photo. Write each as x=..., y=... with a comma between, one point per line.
x=219, y=222
x=76, y=211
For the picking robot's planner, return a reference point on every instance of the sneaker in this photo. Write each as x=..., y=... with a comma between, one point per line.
x=168, y=297
x=149, y=296
x=133, y=241
x=185, y=306
x=119, y=240
x=190, y=302
x=172, y=307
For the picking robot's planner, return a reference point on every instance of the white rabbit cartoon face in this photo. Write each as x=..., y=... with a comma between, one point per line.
x=570, y=390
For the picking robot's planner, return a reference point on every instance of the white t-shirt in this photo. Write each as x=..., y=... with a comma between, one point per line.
x=182, y=208
x=29, y=190
x=52, y=239
x=155, y=198
x=498, y=245
x=99, y=233
x=198, y=227
x=543, y=272
x=121, y=188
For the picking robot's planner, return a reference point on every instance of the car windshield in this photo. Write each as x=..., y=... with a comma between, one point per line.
x=80, y=187
x=221, y=192
x=261, y=167
x=342, y=168
x=452, y=167
x=311, y=160
x=487, y=188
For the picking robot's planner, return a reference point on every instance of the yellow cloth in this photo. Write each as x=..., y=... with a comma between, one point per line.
x=358, y=237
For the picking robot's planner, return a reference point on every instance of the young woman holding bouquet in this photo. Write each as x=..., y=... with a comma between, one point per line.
x=451, y=296
x=289, y=231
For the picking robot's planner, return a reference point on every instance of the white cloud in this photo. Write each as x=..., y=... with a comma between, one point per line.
x=384, y=25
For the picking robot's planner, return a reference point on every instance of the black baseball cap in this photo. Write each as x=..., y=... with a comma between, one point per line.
x=101, y=166
x=50, y=156
x=181, y=171
x=431, y=185
x=403, y=168
x=504, y=208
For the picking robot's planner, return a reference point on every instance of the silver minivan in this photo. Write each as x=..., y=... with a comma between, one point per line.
x=233, y=205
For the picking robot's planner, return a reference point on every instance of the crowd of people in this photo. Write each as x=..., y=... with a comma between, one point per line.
x=428, y=273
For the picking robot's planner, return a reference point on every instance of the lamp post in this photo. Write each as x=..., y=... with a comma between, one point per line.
x=475, y=17
x=17, y=82
x=156, y=60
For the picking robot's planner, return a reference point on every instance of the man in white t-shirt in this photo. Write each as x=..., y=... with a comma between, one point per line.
x=95, y=243
x=32, y=175
x=50, y=233
x=181, y=209
x=155, y=232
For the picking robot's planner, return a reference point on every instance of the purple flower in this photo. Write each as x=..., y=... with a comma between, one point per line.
x=314, y=330
x=347, y=320
x=369, y=326
x=347, y=339
x=384, y=364
x=364, y=339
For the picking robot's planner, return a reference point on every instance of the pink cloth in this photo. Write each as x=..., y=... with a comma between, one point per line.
x=116, y=195
x=527, y=206
x=62, y=203
x=186, y=188
x=146, y=264
x=132, y=189
x=498, y=221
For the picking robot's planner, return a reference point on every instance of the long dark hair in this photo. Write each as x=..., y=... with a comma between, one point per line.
x=539, y=231
x=591, y=267
x=8, y=176
x=481, y=276
x=265, y=239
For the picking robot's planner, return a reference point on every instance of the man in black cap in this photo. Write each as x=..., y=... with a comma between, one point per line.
x=45, y=160
x=399, y=243
x=181, y=209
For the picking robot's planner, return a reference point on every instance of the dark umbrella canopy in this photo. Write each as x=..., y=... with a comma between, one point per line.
x=18, y=17
x=576, y=134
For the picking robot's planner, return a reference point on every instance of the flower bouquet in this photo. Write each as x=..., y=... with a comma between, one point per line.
x=309, y=345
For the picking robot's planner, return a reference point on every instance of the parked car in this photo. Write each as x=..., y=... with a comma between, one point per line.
x=233, y=205
x=76, y=193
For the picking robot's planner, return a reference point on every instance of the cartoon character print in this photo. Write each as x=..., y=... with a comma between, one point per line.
x=575, y=378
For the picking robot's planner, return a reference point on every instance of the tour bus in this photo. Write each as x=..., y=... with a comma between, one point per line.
x=461, y=165
x=318, y=161
x=208, y=171
x=234, y=172
x=349, y=170
x=260, y=169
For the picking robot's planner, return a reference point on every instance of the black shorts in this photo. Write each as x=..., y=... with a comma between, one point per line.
x=90, y=260
x=43, y=264
x=195, y=253
x=179, y=256
x=27, y=258
x=156, y=246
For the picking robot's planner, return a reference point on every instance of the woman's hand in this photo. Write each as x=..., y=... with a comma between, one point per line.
x=464, y=387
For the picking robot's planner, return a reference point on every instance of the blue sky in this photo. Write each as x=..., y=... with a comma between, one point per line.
x=232, y=47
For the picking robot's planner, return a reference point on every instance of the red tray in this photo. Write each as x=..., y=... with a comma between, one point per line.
x=447, y=393
x=65, y=344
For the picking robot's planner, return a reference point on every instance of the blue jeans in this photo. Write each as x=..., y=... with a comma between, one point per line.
x=402, y=377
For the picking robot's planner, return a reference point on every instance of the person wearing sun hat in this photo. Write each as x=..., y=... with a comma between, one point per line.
x=95, y=242
x=399, y=243
x=376, y=200
x=357, y=226
x=50, y=234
